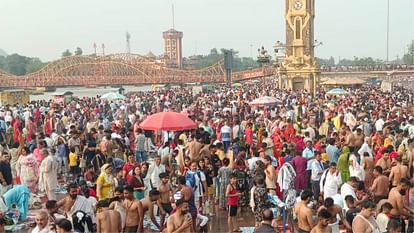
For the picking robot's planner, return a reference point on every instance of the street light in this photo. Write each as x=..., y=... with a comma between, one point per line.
x=263, y=58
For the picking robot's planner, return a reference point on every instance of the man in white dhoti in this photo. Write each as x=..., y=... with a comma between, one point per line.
x=48, y=174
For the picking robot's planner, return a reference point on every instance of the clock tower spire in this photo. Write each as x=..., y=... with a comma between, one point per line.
x=299, y=71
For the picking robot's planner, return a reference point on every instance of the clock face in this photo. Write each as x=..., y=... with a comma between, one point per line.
x=297, y=5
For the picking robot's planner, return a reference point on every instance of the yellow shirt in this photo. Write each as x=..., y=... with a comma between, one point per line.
x=337, y=122
x=106, y=191
x=73, y=159
x=220, y=154
x=325, y=157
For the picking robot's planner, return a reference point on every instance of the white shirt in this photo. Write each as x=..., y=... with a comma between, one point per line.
x=317, y=168
x=382, y=221
x=225, y=129
x=365, y=148
x=346, y=190
x=311, y=132
x=379, y=124
x=252, y=162
x=44, y=230
x=332, y=183
x=153, y=173
x=236, y=130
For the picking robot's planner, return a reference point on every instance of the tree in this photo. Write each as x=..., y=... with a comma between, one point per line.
x=16, y=64
x=213, y=51
x=33, y=65
x=408, y=57
x=78, y=51
x=325, y=62
x=66, y=53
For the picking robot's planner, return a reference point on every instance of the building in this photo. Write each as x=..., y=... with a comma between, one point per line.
x=299, y=70
x=173, y=48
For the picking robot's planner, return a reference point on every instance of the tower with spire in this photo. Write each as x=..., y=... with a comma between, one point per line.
x=173, y=46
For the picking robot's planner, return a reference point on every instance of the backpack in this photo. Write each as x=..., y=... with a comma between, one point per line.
x=82, y=222
x=191, y=180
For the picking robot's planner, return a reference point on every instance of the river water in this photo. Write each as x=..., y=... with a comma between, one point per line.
x=88, y=92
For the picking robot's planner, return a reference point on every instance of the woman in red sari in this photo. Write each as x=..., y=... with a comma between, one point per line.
x=48, y=125
x=31, y=129
x=16, y=130
x=277, y=142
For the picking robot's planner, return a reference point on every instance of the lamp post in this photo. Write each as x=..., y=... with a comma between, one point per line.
x=263, y=59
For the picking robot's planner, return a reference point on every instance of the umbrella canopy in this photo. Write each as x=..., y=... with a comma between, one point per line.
x=236, y=85
x=265, y=101
x=112, y=96
x=168, y=121
x=337, y=91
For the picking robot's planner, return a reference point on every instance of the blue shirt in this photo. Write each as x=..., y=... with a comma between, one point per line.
x=307, y=154
x=333, y=153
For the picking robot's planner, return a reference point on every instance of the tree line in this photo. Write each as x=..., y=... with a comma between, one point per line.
x=21, y=65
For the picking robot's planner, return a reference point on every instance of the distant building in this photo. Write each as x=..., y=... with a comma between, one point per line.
x=191, y=62
x=173, y=48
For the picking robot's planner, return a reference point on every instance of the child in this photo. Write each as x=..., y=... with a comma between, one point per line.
x=233, y=201
x=352, y=211
x=382, y=218
x=73, y=162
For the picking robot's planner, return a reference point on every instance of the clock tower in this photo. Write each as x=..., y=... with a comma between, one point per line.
x=299, y=71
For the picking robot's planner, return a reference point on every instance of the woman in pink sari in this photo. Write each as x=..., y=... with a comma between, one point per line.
x=31, y=130
x=27, y=169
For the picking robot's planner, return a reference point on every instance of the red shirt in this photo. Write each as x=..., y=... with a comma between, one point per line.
x=128, y=167
x=249, y=136
x=233, y=201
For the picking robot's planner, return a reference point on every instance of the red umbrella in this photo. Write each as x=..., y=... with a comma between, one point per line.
x=168, y=121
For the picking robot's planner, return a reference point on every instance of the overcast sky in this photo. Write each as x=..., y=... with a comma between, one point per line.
x=45, y=28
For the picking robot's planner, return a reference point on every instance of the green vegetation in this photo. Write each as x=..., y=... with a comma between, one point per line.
x=20, y=65
x=408, y=57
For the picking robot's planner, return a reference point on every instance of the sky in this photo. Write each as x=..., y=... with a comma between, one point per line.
x=347, y=28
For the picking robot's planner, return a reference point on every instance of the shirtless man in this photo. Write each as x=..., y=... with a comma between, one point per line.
x=334, y=210
x=359, y=138
x=180, y=220
x=270, y=175
x=385, y=163
x=134, y=211
x=164, y=202
x=148, y=205
x=186, y=193
x=304, y=213
x=74, y=202
x=367, y=164
x=323, y=222
x=380, y=186
x=398, y=172
x=350, y=139
x=107, y=220
x=396, y=199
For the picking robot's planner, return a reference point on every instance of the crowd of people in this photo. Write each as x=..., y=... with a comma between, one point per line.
x=337, y=163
